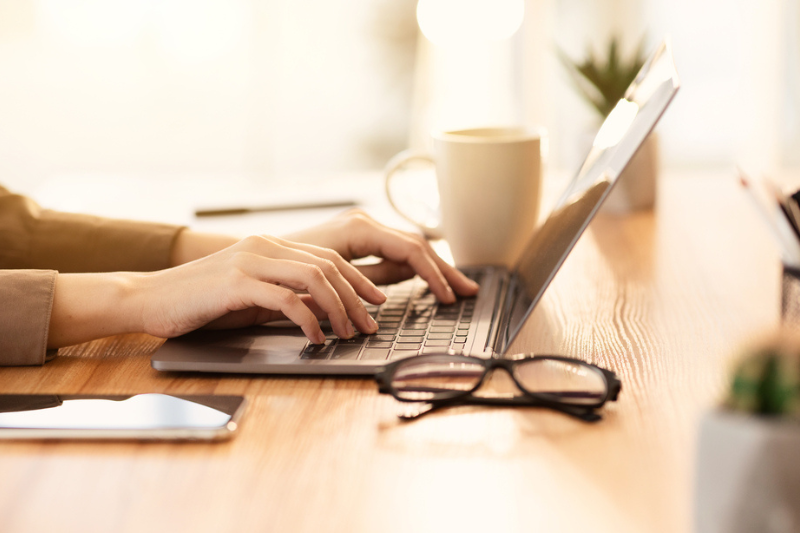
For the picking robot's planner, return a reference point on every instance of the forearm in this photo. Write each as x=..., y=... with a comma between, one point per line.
x=91, y=306
x=191, y=245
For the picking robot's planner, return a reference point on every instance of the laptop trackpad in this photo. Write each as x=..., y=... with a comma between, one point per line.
x=251, y=345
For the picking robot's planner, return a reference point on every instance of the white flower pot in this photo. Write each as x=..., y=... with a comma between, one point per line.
x=636, y=188
x=748, y=475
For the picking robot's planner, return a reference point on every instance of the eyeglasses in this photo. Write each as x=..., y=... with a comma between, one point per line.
x=564, y=384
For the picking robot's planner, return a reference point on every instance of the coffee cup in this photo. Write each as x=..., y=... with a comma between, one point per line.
x=489, y=182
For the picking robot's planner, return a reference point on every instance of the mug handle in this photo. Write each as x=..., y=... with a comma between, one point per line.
x=395, y=164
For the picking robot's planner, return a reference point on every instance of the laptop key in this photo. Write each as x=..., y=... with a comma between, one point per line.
x=375, y=344
x=440, y=336
x=433, y=349
x=358, y=340
x=412, y=333
x=402, y=355
x=371, y=353
x=346, y=351
x=437, y=343
x=408, y=346
x=318, y=351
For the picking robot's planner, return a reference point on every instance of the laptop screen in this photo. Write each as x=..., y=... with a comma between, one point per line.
x=620, y=135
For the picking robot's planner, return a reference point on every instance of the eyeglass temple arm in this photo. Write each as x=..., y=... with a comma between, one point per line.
x=409, y=412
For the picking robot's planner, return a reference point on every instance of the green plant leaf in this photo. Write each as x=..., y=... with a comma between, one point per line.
x=603, y=82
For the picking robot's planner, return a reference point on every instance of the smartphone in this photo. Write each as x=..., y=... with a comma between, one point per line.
x=136, y=417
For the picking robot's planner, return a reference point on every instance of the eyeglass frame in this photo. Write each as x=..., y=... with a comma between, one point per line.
x=384, y=377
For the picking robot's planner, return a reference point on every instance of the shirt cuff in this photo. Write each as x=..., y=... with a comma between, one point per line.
x=27, y=297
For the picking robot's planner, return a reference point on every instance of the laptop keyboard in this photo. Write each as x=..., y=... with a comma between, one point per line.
x=410, y=322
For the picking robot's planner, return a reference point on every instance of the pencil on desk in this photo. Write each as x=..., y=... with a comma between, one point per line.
x=211, y=212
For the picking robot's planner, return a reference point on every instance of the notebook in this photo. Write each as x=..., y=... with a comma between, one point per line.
x=411, y=321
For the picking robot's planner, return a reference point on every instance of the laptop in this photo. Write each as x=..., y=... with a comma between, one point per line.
x=411, y=321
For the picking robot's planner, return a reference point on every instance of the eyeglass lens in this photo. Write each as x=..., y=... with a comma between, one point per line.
x=436, y=378
x=562, y=381
x=443, y=376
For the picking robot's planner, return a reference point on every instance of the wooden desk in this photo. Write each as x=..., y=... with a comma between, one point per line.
x=665, y=299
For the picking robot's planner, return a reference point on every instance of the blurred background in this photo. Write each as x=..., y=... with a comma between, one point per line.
x=280, y=91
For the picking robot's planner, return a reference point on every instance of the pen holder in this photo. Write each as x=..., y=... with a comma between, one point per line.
x=790, y=298
x=747, y=479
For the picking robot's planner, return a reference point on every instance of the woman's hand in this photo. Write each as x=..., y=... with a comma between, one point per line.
x=355, y=234
x=221, y=283
x=252, y=282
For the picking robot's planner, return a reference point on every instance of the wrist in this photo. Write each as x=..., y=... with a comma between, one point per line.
x=92, y=306
x=191, y=245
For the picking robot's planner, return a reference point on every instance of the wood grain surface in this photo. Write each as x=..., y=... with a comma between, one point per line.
x=665, y=298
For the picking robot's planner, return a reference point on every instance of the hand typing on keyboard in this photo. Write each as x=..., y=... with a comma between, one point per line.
x=354, y=235
x=218, y=281
x=410, y=322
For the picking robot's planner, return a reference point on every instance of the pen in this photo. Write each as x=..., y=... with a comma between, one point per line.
x=272, y=208
x=779, y=226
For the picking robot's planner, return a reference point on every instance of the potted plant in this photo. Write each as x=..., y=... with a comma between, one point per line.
x=748, y=463
x=601, y=81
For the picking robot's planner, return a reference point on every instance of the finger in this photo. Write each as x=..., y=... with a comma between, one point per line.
x=304, y=277
x=364, y=225
x=258, y=316
x=313, y=306
x=387, y=272
x=281, y=299
x=400, y=247
x=459, y=282
x=416, y=255
x=353, y=306
x=372, y=238
x=252, y=316
x=363, y=286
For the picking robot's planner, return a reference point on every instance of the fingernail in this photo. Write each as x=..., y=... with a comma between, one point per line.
x=473, y=283
x=320, y=338
x=372, y=323
x=451, y=295
x=348, y=329
x=380, y=294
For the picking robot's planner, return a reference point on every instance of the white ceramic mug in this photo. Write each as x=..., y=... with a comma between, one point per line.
x=490, y=182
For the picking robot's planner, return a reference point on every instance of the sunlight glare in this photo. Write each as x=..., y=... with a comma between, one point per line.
x=193, y=31
x=449, y=22
x=96, y=22
x=616, y=124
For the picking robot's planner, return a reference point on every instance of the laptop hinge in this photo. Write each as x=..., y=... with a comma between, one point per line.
x=499, y=321
x=500, y=342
